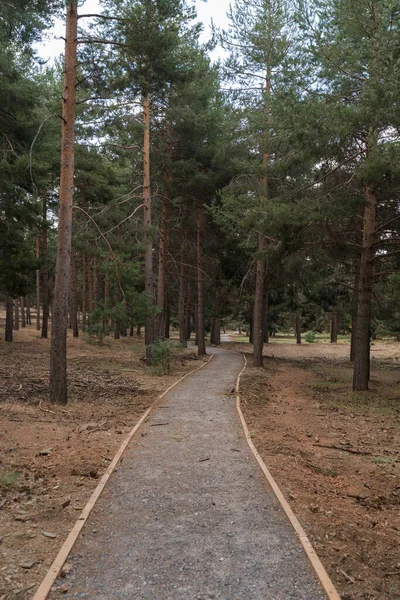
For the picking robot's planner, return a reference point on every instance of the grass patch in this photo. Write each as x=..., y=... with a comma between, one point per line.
x=8, y=480
x=381, y=460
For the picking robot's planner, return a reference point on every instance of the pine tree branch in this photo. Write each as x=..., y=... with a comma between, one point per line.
x=386, y=224
x=94, y=16
x=30, y=166
x=387, y=255
x=329, y=173
x=121, y=222
x=100, y=41
x=383, y=273
x=115, y=260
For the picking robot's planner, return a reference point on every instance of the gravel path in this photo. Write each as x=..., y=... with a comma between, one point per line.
x=189, y=515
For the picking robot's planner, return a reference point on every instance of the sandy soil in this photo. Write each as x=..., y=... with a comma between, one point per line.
x=336, y=456
x=51, y=457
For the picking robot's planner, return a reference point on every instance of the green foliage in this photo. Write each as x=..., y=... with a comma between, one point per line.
x=95, y=334
x=310, y=337
x=8, y=479
x=162, y=352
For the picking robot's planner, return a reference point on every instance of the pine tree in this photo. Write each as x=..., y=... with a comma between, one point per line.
x=355, y=70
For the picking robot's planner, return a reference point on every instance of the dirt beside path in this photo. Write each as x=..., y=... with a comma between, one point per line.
x=336, y=456
x=52, y=457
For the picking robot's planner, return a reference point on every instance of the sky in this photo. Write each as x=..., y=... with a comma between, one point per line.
x=216, y=10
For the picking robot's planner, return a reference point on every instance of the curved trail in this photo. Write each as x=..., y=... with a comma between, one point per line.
x=189, y=515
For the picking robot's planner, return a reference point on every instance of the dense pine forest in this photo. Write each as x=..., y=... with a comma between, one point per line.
x=143, y=184
x=170, y=193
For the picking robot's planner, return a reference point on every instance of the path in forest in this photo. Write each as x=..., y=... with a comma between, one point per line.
x=188, y=515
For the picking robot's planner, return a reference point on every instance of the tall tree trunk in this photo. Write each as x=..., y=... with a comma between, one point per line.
x=189, y=312
x=90, y=288
x=58, y=352
x=84, y=299
x=201, y=343
x=106, y=322
x=28, y=311
x=354, y=315
x=266, y=305
x=162, y=255
x=22, y=302
x=74, y=298
x=167, y=323
x=251, y=320
x=148, y=261
x=258, y=316
x=138, y=331
x=215, y=337
x=16, y=314
x=364, y=300
x=95, y=283
x=37, y=287
x=334, y=326
x=181, y=301
x=160, y=322
x=298, y=328
x=9, y=320
x=45, y=272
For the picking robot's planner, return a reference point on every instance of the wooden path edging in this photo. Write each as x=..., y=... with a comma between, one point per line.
x=47, y=583
x=322, y=575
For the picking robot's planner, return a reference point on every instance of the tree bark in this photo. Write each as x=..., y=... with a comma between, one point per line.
x=201, y=343
x=37, y=287
x=9, y=320
x=266, y=305
x=95, y=284
x=28, y=311
x=167, y=323
x=148, y=261
x=16, y=314
x=181, y=301
x=90, y=288
x=58, y=352
x=162, y=255
x=215, y=337
x=258, y=315
x=251, y=321
x=334, y=326
x=45, y=272
x=298, y=328
x=364, y=300
x=84, y=308
x=160, y=321
x=189, y=313
x=354, y=316
x=74, y=298
x=106, y=321
x=22, y=303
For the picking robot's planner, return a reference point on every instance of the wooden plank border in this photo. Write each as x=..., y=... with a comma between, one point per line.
x=319, y=569
x=47, y=583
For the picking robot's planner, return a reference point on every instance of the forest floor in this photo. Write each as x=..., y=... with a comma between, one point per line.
x=51, y=457
x=336, y=456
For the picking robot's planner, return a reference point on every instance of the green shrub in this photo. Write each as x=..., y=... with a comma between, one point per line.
x=310, y=337
x=161, y=352
x=95, y=334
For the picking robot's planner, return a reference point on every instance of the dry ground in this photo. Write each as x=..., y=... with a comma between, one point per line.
x=336, y=456
x=51, y=457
